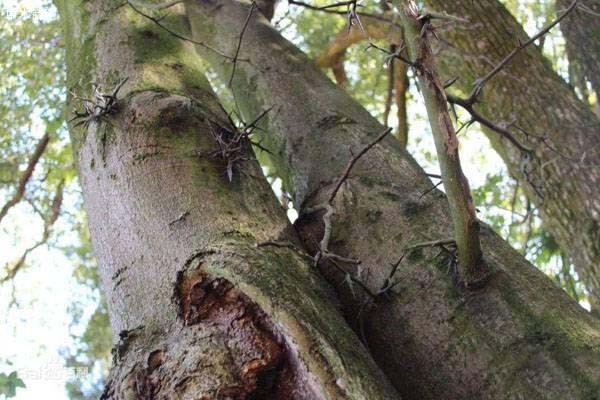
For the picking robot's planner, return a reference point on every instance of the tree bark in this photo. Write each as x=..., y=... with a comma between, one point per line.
x=333, y=57
x=199, y=309
x=582, y=34
x=520, y=336
x=563, y=177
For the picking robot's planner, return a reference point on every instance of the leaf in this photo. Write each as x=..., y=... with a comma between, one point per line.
x=9, y=384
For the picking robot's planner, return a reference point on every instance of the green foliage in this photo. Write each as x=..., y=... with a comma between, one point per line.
x=9, y=384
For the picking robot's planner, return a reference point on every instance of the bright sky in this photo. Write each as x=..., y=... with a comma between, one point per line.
x=35, y=329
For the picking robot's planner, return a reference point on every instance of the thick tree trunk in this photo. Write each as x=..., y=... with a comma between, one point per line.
x=199, y=310
x=582, y=34
x=563, y=177
x=520, y=336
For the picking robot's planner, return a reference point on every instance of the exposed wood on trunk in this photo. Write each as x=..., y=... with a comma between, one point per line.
x=199, y=311
x=432, y=340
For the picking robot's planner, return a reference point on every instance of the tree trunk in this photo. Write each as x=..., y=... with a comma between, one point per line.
x=333, y=57
x=563, y=176
x=519, y=336
x=582, y=34
x=199, y=311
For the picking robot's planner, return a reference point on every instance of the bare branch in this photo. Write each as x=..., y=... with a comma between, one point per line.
x=39, y=150
x=391, y=80
x=329, y=209
x=329, y=10
x=477, y=117
x=153, y=6
x=389, y=285
x=482, y=81
x=157, y=22
x=353, y=161
x=48, y=223
x=239, y=45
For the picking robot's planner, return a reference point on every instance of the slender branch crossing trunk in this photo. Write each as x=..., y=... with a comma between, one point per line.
x=520, y=336
x=563, y=176
x=198, y=310
x=473, y=269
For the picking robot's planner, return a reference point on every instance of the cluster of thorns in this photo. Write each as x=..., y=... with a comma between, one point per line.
x=100, y=105
x=233, y=146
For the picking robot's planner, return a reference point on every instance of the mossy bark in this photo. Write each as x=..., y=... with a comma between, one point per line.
x=563, y=176
x=197, y=309
x=520, y=336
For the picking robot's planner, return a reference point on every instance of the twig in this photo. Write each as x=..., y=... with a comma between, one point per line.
x=390, y=89
x=390, y=56
x=431, y=189
x=177, y=35
x=353, y=161
x=388, y=285
x=39, y=150
x=329, y=209
x=153, y=6
x=476, y=116
x=336, y=12
x=239, y=45
x=289, y=245
x=54, y=214
x=481, y=82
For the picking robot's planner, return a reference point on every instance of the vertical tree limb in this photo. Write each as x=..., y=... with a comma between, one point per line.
x=472, y=267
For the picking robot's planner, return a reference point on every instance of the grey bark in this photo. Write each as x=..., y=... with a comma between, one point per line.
x=197, y=309
x=582, y=34
x=518, y=337
x=563, y=177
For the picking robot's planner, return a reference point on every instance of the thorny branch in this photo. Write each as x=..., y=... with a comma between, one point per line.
x=473, y=268
x=99, y=106
x=329, y=10
x=329, y=209
x=158, y=23
x=480, y=83
x=446, y=245
x=156, y=6
x=234, y=145
x=39, y=150
x=468, y=104
x=239, y=45
x=353, y=161
x=48, y=223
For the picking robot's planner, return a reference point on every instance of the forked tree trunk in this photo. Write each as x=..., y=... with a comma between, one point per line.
x=563, y=178
x=197, y=309
x=518, y=337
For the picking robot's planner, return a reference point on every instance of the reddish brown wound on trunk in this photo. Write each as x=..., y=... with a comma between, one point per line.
x=265, y=366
